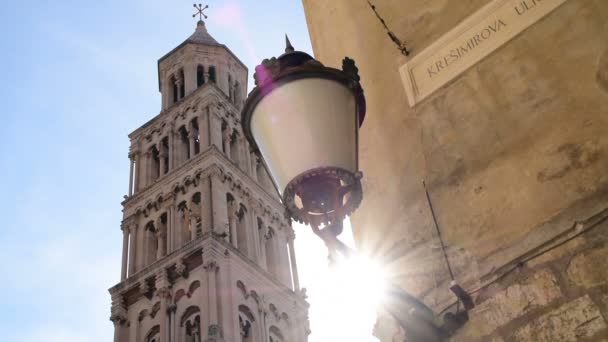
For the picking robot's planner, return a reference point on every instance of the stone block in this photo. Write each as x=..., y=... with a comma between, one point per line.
x=534, y=291
x=588, y=268
x=537, y=290
x=573, y=321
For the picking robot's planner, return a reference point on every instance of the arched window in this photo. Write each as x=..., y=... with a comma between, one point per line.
x=197, y=137
x=179, y=294
x=212, y=74
x=190, y=325
x=182, y=86
x=151, y=244
x=246, y=321
x=196, y=222
x=153, y=335
x=231, y=205
x=195, y=285
x=241, y=230
x=184, y=145
x=236, y=97
x=275, y=334
x=164, y=155
x=174, y=89
x=200, y=75
x=230, y=87
x=155, y=162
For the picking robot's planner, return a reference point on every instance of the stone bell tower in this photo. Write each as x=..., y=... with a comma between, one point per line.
x=207, y=253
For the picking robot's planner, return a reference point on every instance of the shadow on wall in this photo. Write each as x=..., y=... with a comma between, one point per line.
x=602, y=71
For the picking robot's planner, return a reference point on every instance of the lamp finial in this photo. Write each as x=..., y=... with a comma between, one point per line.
x=288, y=47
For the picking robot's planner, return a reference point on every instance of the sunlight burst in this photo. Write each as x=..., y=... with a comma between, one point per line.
x=344, y=297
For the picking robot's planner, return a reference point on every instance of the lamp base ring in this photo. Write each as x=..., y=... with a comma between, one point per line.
x=323, y=196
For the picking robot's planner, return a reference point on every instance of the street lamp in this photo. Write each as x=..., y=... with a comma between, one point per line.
x=303, y=118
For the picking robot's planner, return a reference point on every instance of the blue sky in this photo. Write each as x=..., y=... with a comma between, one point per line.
x=77, y=77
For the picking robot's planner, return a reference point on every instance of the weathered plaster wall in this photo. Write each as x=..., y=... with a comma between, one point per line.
x=513, y=151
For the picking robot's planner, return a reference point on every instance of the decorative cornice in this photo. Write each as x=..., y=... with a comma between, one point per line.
x=207, y=94
x=145, y=289
x=212, y=245
x=181, y=268
x=211, y=266
x=222, y=168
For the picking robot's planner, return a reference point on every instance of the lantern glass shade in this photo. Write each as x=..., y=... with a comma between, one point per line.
x=306, y=124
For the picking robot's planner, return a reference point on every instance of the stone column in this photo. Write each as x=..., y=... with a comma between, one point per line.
x=146, y=246
x=203, y=127
x=254, y=166
x=161, y=156
x=165, y=92
x=205, y=321
x=131, y=162
x=254, y=234
x=141, y=247
x=215, y=127
x=164, y=294
x=161, y=233
x=138, y=327
x=249, y=226
x=172, y=325
x=248, y=156
x=169, y=229
x=178, y=83
x=171, y=145
x=226, y=142
x=263, y=310
x=206, y=208
x=191, y=140
x=244, y=155
x=232, y=226
x=192, y=226
x=218, y=203
x=146, y=170
x=292, y=259
x=229, y=318
x=178, y=231
x=125, y=251
x=133, y=249
x=284, y=258
x=212, y=269
x=120, y=330
x=190, y=77
x=137, y=171
x=118, y=316
x=262, y=244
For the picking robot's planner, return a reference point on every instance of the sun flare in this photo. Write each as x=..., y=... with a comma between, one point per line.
x=345, y=296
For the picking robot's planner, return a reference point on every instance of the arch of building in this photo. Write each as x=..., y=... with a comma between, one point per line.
x=190, y=325
x=153, y=334
x=248, y=327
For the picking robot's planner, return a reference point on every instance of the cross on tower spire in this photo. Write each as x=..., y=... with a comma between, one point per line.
x=199, y=11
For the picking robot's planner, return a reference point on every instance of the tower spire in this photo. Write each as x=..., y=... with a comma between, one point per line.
x=288, y=47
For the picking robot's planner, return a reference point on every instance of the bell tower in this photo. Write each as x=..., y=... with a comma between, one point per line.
x=208, y=254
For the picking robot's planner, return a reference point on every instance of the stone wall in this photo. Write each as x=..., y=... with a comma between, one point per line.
x=512, y=151
x=558, y=295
